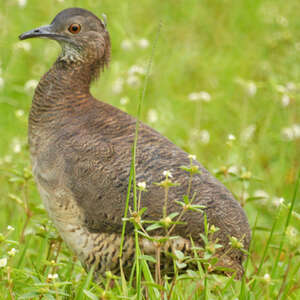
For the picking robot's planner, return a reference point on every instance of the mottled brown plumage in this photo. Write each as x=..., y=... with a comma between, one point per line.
x=81, y=153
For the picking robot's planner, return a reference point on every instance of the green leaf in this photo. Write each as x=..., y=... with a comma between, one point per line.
x=148, y=258
x=154, y=226
x=90, y=295
x=179, y=254
x=173, y=215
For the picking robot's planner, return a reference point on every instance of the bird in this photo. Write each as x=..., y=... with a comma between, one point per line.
x=81, y=150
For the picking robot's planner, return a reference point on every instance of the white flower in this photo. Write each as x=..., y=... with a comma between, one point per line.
x=142, y=185
x=126, y=45
x=291, y=133
x=167, y=174
x=231, y=137
x=133, y=81
x=291, y=86
x=12, y=252
x=16, y=145
x=277, y=201
x=1, y=82
x=3, y=262
x=26, y=46
x=251, y=88
x=285, y=100
x=248, y=132
x=143, y=43
x=261, y=194
x=152, y=116
x=117, y=86
x=10, y=228
x=7, y=158
x=135, y=69
x=267, y=278
x=196, y=96
x=52, y=276
x=19, y=113
x=291, y=232
x=22, y=3
x=124, y=100
x=280, y=88
x=30, y=85
x=281, y=20
x=233, y=170
x=192, y=156
x=204, y=136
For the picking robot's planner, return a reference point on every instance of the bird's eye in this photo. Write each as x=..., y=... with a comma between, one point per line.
x=74, y=28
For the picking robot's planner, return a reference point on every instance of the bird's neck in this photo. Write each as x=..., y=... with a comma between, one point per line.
x=66, y=84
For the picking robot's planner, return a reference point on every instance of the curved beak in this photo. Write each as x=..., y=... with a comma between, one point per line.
x=43, y=31
x=47, y=31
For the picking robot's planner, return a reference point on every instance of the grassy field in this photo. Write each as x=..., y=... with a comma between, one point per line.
x=224, y=86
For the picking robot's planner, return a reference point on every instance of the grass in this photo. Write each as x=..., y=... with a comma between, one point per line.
x=245, y=55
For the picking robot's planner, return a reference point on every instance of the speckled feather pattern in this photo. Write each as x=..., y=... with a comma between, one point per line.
x=81, y=154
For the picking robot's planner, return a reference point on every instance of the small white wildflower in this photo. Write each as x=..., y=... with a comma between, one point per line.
x=16, y=145
x=285, y=100
x=192, y=156
x=12, y=252
x=233, y=170
x=278, y=201
x=22, y=3
x=248, y=132
x=53, y=276
x=142, y=185
x=3, y=262
x=251, y=88
x=291, y=232
x=10, y=228
x=143, y=43
x=281, y=20
x=245, y=195
x=152, y=116
x=267, y=278
x=30, y=85
x=193, y=97
x=19, y=113
x=7, y=158
x=133, y=81
x=231, y=137
x=126, y=45
x=261, y=194
x=1, y=82
x=291, y=86
x=167, y=174
x=124, y=100
x=117, y=86
x=135, y=69
x=204, y=136
x=287, y=133
x=26, y=46
x=204, y=96
x=297, y=46
x=291, y=133
x=280, y=88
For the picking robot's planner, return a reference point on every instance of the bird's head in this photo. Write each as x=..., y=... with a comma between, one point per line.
x=82, y=36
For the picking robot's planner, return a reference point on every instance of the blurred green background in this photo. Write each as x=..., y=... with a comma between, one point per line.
x=224, y=85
